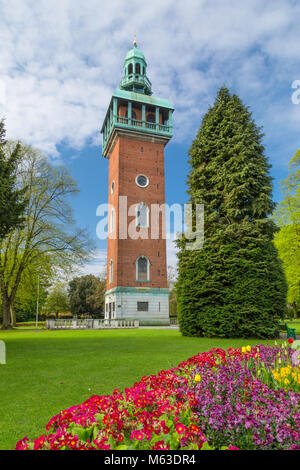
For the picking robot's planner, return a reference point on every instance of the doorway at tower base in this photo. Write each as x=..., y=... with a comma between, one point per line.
x=147, y=304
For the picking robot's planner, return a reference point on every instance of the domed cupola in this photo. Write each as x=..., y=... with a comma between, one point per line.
x=135, y=78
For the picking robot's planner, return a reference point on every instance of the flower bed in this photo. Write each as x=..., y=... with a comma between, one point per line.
x=219, y=399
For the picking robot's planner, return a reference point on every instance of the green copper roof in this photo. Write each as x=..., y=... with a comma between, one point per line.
x=135, y=76
x=135, y=53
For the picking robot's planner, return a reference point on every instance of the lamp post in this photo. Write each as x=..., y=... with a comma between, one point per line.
x=37, y=302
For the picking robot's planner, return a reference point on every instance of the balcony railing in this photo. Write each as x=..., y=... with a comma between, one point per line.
x=137, y=123
x=135, y=78
x=130, y=123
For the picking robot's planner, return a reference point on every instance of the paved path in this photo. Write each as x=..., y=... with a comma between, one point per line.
x=171, y=327
x=283, y=336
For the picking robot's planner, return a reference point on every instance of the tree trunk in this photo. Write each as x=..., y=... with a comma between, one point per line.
x=6, y=312
x=294, y=307
x=13, y=316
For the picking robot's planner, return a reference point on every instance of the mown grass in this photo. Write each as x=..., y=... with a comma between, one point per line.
x=48, y=371
x=294, y=324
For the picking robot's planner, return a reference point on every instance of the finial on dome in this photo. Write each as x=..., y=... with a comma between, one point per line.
x=134, y=40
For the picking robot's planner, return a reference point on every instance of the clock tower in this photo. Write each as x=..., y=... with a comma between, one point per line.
x=136, y=128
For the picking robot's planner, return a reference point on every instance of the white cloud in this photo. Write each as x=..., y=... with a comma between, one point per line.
x=97, y=266
x=61, y=60
x=171, y=252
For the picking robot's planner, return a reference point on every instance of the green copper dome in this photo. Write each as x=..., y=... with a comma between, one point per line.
x=135, y=52
x=135, y=78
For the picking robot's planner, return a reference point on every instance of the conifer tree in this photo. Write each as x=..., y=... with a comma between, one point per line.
x=234, y=286
x=12, y=202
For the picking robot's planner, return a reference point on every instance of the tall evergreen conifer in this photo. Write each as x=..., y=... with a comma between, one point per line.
x=12, y=202
x=234, y=286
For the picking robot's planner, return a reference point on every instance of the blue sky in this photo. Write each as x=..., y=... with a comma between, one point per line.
x=62, y=59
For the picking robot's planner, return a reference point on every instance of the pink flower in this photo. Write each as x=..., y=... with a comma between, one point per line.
x=138, y=435
x=180, y=428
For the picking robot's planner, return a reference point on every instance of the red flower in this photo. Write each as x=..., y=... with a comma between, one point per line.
x=180, y=428
x=138, y=435
x=290, y=340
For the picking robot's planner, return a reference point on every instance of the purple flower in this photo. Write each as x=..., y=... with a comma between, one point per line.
x=296, y=358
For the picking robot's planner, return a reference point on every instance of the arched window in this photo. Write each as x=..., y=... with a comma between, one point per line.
x=111, y=271
x=133, y=114
x=130, y=69
x=142, y=269
x=138, y=69
x=150, y=117
x=142, y=215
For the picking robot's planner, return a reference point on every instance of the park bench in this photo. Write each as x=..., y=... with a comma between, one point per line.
x=290, y=332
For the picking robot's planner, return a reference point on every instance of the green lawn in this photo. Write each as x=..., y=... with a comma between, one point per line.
x=294, y=324
x=48, y=371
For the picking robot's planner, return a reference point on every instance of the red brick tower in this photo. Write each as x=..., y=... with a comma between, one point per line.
x=136, y=128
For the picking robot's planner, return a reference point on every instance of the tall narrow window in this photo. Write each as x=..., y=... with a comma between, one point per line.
x=112, y=220
x=138, y=69
x=111, y=271
x=133, y=114
x=142, y=215
x=150, y=117
x=142, y=269
x=129, y=69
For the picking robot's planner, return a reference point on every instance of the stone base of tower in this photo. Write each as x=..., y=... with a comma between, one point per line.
x=148, y=305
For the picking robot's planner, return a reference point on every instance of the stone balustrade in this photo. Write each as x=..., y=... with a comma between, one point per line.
x=89, y=324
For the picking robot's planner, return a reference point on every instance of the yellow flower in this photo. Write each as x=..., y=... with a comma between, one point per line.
x=197, y=378
x=248, y=348
x=244, y=349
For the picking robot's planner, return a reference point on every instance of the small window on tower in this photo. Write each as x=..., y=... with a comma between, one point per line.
x=129, y=69
x=138, y=69
x=112, y=187
x=142, y=306
x=142, y=181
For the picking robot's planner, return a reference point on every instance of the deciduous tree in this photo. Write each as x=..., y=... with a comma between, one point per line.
x=287, y=240
x=87, y=295
x=49, y=228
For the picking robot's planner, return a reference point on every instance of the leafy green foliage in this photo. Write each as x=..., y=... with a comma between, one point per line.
x=234, y=286
x=287, y=240
x=87, y=295
x=57, y=300
x=49, y=229
x=33, y=288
